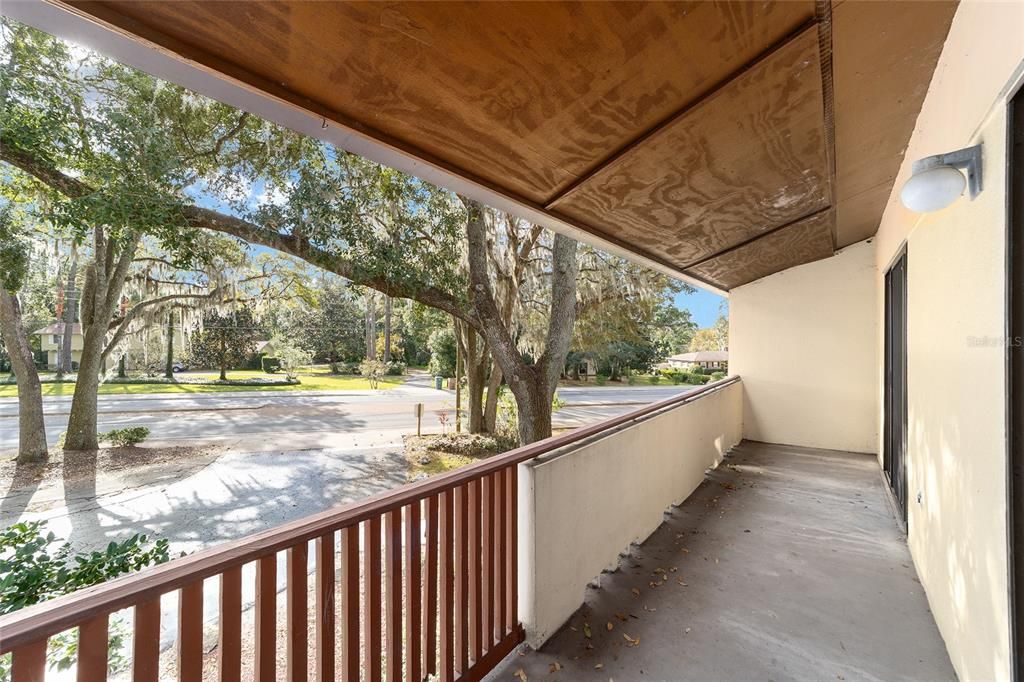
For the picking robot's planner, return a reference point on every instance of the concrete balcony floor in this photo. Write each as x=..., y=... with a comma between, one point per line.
x=794, y=568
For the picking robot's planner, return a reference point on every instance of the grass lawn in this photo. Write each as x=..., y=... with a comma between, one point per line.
x=316, y=380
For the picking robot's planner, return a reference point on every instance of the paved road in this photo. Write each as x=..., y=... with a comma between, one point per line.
x=270, y=421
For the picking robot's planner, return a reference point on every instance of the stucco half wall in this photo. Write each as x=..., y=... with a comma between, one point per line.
x=804, y=341
x=582, y=506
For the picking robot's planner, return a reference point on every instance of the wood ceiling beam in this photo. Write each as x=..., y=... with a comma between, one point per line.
x=823, y=13
x=713, y=91
x=767, y=233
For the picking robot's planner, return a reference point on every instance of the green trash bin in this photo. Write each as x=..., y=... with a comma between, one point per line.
x=438, y=383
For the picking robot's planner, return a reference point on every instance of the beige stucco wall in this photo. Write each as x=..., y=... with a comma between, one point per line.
x=592, y=501
x=956, y=287
x=804, y=342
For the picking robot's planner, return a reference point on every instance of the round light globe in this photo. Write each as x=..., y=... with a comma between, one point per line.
x=933, y=189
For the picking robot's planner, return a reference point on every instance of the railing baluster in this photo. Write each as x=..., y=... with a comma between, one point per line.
x=146, y=642
x=501, y=565
x=475, y=511
x=461, y=565
x=372, y=582
x=413, y=593
x=431, y=584
x=297, y=614
x=393, y=592
x=229, y=646
x=266, y=619
x=350, y=603
x=92, y=649
x=325, y=608
x=28, y=662
x=512, y=541
x=190, y=631
x=447, y=598
x=487, y=570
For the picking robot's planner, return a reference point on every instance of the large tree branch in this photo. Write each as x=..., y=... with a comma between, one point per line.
x=122, y=324
x=563, y=308
x=503, y=347
x=196, y=216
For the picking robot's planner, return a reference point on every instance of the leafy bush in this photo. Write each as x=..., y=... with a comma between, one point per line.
x=271, y=365
x=373, y=371
x=290, y=356
x=395, y=368
x=631, y=379
x=601, y=379
x=655, y=380
x=122, y=438
x=30, y=573
x=717, y=376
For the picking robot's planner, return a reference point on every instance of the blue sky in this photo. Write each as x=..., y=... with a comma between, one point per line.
x=703, y=305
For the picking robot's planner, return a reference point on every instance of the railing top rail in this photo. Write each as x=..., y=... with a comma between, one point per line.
x=54, y=616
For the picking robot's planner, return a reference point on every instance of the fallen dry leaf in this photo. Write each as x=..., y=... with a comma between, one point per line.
x=555, y=667
x=636, y=592
x=586, y=630
x=621, y=616
x=610, y=626
x=630, y=641
x=649, y=608
x=521, y=674
x=599, y=666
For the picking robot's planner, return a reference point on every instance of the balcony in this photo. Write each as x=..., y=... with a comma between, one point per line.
x=777, y=559
x=786, y=563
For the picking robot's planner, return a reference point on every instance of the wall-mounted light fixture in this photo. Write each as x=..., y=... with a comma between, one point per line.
x=937, y=181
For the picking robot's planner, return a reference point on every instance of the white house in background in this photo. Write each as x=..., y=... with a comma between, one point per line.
x=50, y=340
x=712, y=359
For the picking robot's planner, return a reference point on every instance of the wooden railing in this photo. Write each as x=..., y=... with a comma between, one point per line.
x=418, y=580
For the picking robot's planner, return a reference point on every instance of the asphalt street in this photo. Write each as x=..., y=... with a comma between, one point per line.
x=268, y=421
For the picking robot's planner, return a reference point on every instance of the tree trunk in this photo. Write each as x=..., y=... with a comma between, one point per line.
x=371, y=327
x=532, y=385
x=475, y=380
x=533, y=402
x=82, y=432
x=64, y=361
x=223, y=357
x=387, y=329
x=31, y=427
x=121, y=373
x=491, y=406
x=101, y=292
x=169, y=367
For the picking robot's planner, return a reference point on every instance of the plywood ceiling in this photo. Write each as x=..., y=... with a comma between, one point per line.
x=698, y=135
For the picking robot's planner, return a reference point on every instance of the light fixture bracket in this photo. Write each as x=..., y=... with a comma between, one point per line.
x=968, y=159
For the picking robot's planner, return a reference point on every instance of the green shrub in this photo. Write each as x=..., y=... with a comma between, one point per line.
x=372, y=370
x=31, y=573
x=271, y=365
x=717, y=376
x=122, y=438
x=655, y=380
x=600, y=379
x=631, y=379
x=395, y=368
